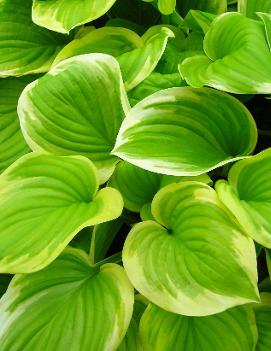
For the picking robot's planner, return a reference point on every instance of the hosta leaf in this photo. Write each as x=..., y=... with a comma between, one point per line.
x=237, y=57
x=45, y=201
x=234, y=329
x=145, y=184
x=199, y=20
x=263, y=320
x=64, y=15
x=166, y=7
x=70, y=305
x=211, y=6
x=250, y=7
x=155, y=82
x=186, y=131
x=248, y=194
x=65, y=113
x=137, y=56
x=138, y=64
x=107, y=40
x=132, y=341
x=24, y=47
x=171, y=56
x=183, y=262
x=12, y=143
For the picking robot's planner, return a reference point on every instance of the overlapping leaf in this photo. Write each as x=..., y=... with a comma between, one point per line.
x=70, y=305
x=64, y=15
x=234, y=329
x=248, y=195
x=211, y=6
x=77, y=108
x=25, y=47
x=194, y=259
x=139, y=186
x=237, y=57
x=250, y=7
x=12, y=143
x=137, y=56
x=132, y=340
x=155, y=82
x=45, y=201
x=263, y=320
x=186, y=131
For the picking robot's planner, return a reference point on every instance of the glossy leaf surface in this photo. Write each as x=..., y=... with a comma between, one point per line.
x=181, y=132
x=45, y=201
x=184, y=260
x=65, y=113
x=70, y=305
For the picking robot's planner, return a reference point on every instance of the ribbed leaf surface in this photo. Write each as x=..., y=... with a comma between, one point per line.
x=184, y=260
x=186, y=131
x=70, y=305
x=45, y=201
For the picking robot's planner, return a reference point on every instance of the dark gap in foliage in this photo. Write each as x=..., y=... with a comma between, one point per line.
x=262, y=266
x=259, y=107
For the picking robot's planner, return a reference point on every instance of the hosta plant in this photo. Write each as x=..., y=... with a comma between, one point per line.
x=135, y=175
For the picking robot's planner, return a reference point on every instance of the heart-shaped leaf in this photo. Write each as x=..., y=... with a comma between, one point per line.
x=263, y=320
x=64, y=15
x=70, y=305
x=24, y=47
x=183, y=262
x=186, y=131
x=248, y=195
x=12, y=144
x=65, y=113
x=234, y=329
x=237, y=57
x=45, y=201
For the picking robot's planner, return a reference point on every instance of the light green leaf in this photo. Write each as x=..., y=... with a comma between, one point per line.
x=234, y=329
x=166, y=7
x=248, y=194
x=237, y=57
x=181, y=132
x=107, y=40
x=64, y=15
x=24, y=47
x=155, y=82
x=183, y=262
x=266, y=18
x=263, y=320
x=45, y=201
x=211, y=6
x=139, y=186
x=12, y=143
x=137, y=56
x=70, y=305
x=139, y=63
x=250, y=7
x=65, y=113
x=132, y=341
x=199, y=20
